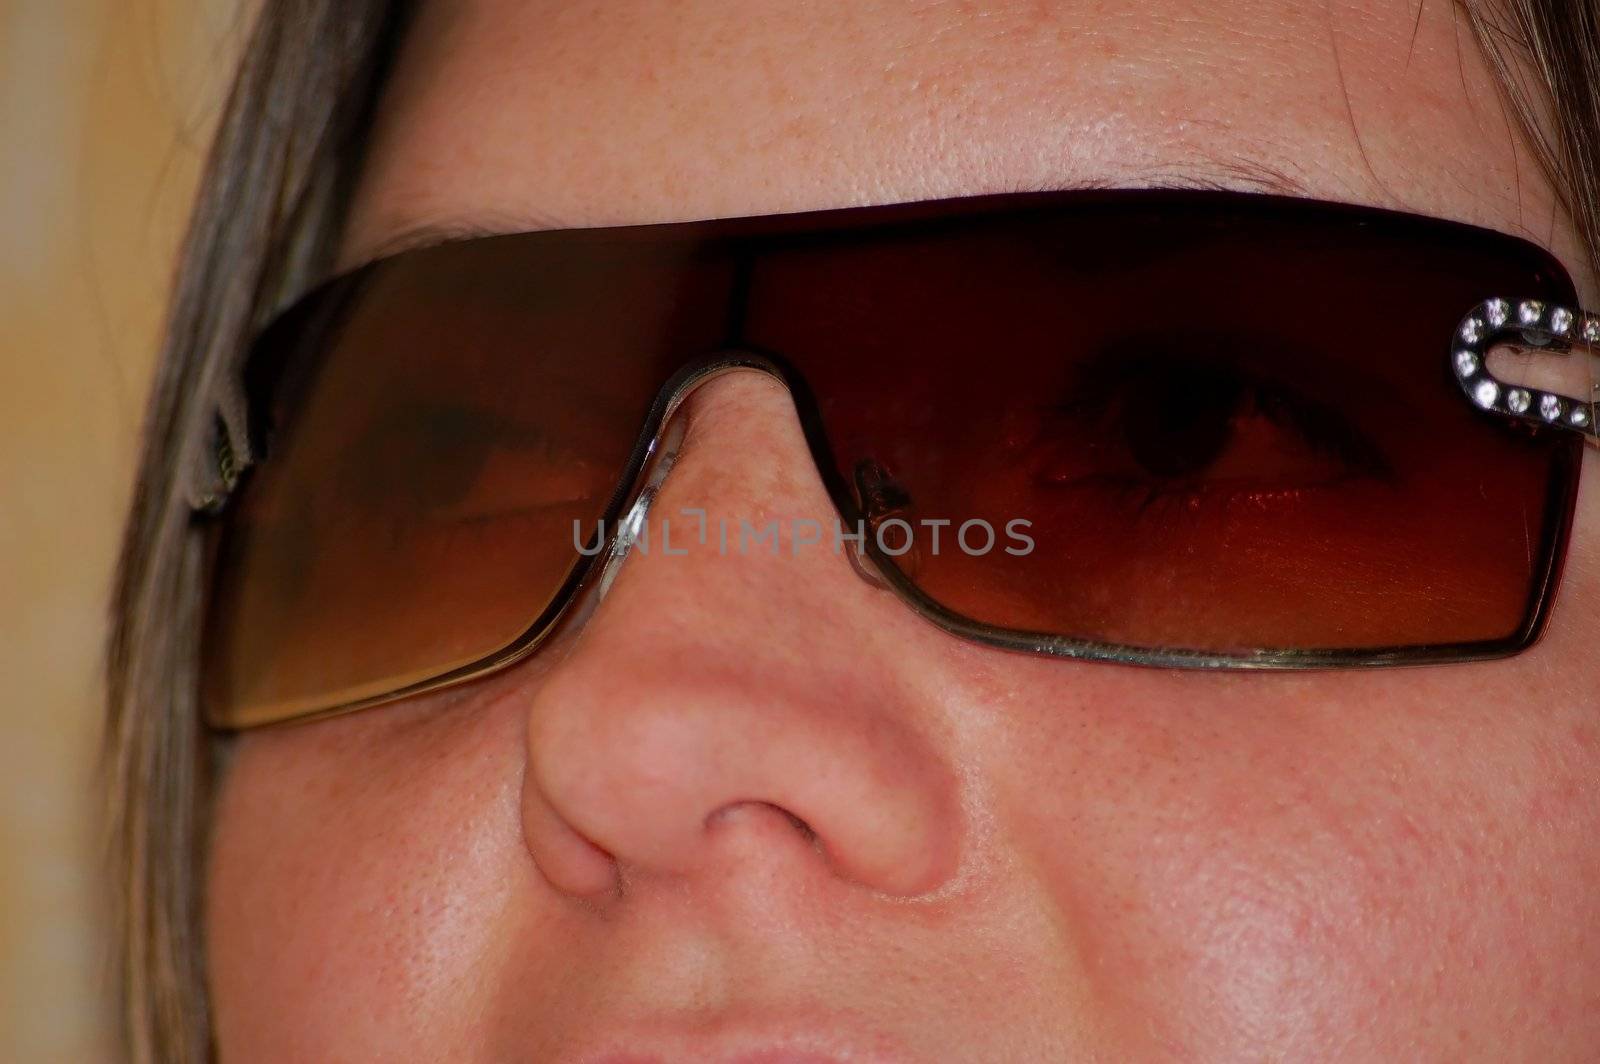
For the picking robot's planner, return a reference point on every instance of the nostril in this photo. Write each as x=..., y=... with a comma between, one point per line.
x=801, y=826
x=735, y=812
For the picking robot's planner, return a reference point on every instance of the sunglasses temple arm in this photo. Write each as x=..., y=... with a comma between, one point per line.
x=1533, y=324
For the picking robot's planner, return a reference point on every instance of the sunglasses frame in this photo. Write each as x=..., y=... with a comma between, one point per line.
x=1540, y=324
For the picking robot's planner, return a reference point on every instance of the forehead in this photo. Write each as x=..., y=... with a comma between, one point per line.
x=525, y=114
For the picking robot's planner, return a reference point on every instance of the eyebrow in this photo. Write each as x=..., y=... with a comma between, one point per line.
x=1236, y=174
x=430, y=234
x=1241, y=173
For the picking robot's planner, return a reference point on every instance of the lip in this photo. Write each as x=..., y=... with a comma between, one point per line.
x=726, y=1040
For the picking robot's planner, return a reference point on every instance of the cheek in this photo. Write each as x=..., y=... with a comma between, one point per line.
x=357, y=885
x=1323, y=867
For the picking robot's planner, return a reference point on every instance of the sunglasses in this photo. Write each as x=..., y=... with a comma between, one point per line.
x=1230, y=430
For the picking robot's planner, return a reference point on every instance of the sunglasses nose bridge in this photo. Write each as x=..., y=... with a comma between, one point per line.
x=664, y=444
x=703, y=370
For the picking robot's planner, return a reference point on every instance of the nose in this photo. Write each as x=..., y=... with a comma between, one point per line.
x=733, y=693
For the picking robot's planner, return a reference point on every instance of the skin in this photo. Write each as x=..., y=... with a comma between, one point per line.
x=1001, y=858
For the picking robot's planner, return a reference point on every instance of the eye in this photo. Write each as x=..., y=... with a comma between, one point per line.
x=1176, y=420
x=421, y=455
x=452, y=464
x=1194, y=416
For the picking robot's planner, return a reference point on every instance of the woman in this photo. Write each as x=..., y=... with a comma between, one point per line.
x=745, y=804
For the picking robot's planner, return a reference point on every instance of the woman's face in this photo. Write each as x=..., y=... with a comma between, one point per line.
x=749, y=805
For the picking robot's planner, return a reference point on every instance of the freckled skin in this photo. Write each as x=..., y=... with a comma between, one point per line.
x=1008, y=859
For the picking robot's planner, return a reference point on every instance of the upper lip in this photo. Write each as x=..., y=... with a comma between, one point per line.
x=727, y=1039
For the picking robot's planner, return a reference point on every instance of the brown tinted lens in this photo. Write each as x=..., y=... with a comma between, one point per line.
x=430, y=460
x=1208, y=423
x=1181, y=429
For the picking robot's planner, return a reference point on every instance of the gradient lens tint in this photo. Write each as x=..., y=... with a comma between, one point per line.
x=434, y=445
x=1225, y=423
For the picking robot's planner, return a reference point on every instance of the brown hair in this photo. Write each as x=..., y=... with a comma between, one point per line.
x=269, y=211
x=285, y=155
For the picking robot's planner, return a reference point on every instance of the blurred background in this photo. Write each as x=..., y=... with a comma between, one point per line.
x=105, y=110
